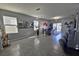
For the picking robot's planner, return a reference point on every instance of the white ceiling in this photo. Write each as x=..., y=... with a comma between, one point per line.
x=46, y=10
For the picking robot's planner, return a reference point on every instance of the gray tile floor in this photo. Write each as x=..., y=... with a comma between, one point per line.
x=34, y=46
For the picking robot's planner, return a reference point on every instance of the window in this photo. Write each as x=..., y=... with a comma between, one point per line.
x=10, y=24
x=57, y=27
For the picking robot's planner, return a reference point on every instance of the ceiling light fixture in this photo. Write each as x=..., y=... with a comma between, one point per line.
x=37, y=9
x=57, y=17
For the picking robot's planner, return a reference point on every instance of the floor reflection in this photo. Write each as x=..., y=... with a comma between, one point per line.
x=37, y=46
x=16, y=50
x=36, y=41
x=56, y=37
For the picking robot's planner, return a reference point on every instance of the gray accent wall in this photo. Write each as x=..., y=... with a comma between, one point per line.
x=22, y=32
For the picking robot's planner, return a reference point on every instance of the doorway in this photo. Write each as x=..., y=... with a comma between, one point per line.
x=57, y=27
x=56, y=36
x=36, y=25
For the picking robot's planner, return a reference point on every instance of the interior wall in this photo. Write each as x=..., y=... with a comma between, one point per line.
x=22, y=32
